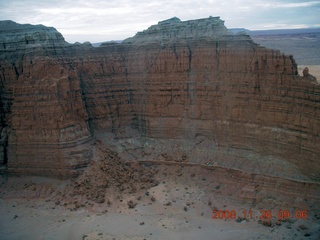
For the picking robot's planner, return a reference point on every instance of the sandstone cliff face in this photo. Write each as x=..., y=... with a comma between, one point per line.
x=165, y=84
x=44, y=119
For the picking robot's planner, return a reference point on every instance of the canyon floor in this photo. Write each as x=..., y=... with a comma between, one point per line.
x=42, y=218
x=117, y=198
x=174, y=209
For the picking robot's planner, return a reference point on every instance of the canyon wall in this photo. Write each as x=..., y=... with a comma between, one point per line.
x=44, y=127
x=175, y=80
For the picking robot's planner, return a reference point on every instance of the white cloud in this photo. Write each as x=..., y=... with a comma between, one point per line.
x=288, y=4
x=87, y=11
x=282, y=26
x=100, y=20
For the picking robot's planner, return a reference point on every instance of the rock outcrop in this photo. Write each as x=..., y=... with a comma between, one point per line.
x=175, y=80
x=44, y=123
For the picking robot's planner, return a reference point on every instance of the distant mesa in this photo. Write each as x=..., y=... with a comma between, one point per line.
x=174, y=28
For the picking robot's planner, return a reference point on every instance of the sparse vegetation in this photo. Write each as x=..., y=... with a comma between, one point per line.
x=132, y=204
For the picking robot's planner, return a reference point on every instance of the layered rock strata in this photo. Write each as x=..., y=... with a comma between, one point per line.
x=176, y=80
x=44, y=120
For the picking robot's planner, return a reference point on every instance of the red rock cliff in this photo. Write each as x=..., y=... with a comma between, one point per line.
x=44, y=120
x=173, y=80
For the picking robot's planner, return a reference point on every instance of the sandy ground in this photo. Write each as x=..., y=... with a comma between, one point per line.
x=32, y=208
x=164, y=199
x=313, y=70
x=29, y=220
x=42, y=220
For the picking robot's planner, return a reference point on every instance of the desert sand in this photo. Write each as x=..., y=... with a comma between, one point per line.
x=165, y=200
x=313, y=70
x=37, y=218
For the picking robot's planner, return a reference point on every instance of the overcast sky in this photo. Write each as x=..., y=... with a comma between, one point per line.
x=102, y=20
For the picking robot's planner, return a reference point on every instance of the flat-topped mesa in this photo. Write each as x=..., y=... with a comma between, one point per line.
x=174, y=28
x=15, y=37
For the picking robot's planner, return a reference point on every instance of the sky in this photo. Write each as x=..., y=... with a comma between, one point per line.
x=105, y=20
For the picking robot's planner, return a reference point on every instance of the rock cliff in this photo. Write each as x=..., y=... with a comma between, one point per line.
x=175, y=80
x=44, y=123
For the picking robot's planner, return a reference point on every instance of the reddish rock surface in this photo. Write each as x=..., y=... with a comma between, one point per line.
x=44, y=120
x=161, y=84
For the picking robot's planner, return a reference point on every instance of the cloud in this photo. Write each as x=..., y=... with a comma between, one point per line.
x=283, y=26
x=289, y=4
x=99, y=20
x=83, y=10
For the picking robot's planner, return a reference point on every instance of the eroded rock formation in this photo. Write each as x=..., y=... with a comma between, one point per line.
x=176, y=80
x=44, y=119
